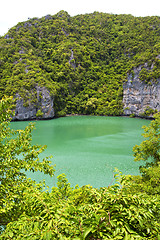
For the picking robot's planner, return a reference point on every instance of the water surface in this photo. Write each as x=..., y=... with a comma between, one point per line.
x=88, y=148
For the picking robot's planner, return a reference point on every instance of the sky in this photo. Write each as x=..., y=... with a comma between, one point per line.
x=14, y=11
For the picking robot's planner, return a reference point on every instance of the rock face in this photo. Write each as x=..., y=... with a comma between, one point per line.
x=139, y=96
x=71, y=60
x=42, y=108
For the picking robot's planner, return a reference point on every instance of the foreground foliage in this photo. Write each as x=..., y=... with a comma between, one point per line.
x=85, y=213
x=149, y=149
x=127, y=210
x=17, y=155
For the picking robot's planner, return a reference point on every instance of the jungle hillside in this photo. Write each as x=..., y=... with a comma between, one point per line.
x=83, y=60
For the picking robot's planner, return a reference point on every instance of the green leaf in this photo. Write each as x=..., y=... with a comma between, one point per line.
x=10, y=234
x=128, y=229
x=86, y=232
x=48, y=235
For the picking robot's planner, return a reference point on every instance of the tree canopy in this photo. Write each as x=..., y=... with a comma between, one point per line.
x=149, y=149
x=83, y=60
x=17, y=155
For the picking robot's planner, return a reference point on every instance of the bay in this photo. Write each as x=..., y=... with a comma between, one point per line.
x=88, y=148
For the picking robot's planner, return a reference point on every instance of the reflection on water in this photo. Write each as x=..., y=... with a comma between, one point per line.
x=87, y=148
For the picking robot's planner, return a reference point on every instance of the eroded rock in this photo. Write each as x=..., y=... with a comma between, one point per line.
x=43, y=102
x=139, y=96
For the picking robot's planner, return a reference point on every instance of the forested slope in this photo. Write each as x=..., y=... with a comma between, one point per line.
x=82, y=60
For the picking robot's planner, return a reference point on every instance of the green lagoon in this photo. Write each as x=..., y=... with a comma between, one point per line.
x=88, y=148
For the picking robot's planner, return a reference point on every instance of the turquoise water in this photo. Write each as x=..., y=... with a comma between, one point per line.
x=88, y=148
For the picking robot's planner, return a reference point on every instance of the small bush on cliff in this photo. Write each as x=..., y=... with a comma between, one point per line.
x=148, y=112
x=39, y=114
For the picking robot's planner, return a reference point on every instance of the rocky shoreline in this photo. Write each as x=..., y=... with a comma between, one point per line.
x=140, y=99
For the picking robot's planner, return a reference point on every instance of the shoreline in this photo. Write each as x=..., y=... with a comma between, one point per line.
x=74, y=115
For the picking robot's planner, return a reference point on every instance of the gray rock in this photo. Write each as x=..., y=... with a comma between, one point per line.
x=26, y=69
x=72, y=63
x=137, y=95
x=18, y=27
x=44, y=103
x=7, y=37
x=27, y=24
x=48, y=17
x=65, y=32
x=21, y=51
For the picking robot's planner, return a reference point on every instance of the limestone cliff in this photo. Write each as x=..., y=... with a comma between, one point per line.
x=139, y=96
x=38, y=106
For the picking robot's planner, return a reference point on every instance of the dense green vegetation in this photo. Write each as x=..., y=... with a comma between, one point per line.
x=127, y=210
x=82, y=60
x=16, y=156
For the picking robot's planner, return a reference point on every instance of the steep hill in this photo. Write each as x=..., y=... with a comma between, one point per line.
x=77, y=65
